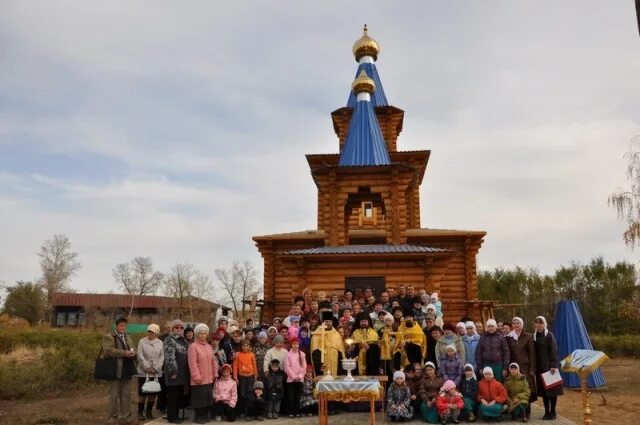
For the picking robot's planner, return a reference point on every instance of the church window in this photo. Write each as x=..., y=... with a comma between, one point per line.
x=367, y=213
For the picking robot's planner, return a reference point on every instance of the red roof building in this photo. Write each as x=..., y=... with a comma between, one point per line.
x=99, y=310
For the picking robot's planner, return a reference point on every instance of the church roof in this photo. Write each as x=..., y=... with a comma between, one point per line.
x=367, y=249
x=444, y=232
x=378, y=98
x=364, y=145
x=304, y=234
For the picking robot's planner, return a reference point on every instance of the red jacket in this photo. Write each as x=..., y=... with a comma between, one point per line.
x=492, y=390
x=444, y=400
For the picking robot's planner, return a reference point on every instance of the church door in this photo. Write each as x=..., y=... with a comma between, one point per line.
x=359, y=284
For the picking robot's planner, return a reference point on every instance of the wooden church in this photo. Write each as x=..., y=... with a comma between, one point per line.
x=368, y=227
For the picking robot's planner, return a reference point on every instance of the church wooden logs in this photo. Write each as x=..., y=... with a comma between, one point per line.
x=449, y=275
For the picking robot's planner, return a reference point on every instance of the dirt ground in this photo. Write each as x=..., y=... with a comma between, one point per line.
x=620, y=405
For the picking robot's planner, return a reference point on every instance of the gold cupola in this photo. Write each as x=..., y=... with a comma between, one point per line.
x=363, y=84
x=366, y=46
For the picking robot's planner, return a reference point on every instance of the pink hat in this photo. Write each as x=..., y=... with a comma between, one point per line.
x=448, y=385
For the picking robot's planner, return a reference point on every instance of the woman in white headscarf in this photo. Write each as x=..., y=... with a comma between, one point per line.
x=522, y=350
x=470, y=340
x=493, y=351
x=469, y=390
x=546, y=361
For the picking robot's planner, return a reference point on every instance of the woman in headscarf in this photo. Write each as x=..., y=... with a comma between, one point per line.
x=493, y=351
x=304, y=336
x=546, y=361
x=469, y=390
x=522, y=351
x=430, y=385
x=272, y=331
x=470, y=340
x=518, y=392
x=491, y=395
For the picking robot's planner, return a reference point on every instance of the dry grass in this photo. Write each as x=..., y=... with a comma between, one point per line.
x=24, y=355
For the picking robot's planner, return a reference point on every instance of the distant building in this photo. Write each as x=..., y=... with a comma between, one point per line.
x=99, y=310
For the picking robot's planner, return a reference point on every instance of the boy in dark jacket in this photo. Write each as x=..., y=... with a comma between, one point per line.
x=257, y=402
x=275, y=389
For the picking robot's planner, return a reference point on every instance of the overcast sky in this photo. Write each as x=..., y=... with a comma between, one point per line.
x=177, y=130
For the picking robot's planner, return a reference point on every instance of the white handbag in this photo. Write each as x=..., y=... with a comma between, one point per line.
x=150, y=386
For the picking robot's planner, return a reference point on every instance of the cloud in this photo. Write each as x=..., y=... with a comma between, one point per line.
x=180, y=132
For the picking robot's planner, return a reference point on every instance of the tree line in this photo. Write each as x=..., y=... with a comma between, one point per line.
x=608, y=294
x=33, y=300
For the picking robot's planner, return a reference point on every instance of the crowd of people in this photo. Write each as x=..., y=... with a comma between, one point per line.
x=438, y=371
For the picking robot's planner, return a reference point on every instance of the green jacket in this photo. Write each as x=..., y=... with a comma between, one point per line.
x=517, y=387
x=113, y=347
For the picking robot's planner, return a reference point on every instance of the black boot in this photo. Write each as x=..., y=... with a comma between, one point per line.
x=545, y=401
x=140, y=411
x=149, y=409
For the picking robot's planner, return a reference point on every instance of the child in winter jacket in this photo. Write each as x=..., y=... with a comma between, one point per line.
x=225, y=395
x=491, y=395
x=260, y=349
x=451, y=366
x=518, y=392
x=449, y=403
x=275, y=389
x=308, y=403
x=295, y=366
x=413, y=382
x=399, y=399
x=245, y=371
x=257, y=403
x=294, y=328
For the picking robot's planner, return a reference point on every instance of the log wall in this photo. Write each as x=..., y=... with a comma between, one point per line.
x=453, y=276
x=395, y=188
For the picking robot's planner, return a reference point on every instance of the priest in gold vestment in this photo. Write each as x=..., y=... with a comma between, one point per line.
x=411, y=343
x=327, y=347
x=369, y=349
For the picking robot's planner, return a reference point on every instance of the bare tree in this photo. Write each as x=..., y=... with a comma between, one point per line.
x=626, y=201
x=178, y=283
x=58, y=263
x=239, y=283
x=137, y=278
x=188, y=285
x=201, y=288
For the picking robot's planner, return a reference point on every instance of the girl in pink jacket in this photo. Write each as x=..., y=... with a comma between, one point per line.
x=295, y=366
x=226, y=395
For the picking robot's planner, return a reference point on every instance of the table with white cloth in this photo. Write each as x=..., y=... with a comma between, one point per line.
x=363, y=388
